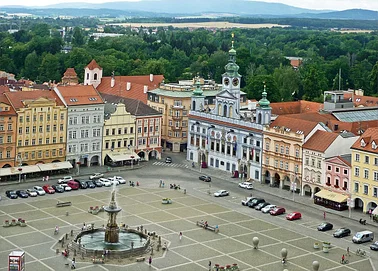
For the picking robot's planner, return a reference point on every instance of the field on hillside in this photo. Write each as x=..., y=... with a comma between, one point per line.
x=220, y=25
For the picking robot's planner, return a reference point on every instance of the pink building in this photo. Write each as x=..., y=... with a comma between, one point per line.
x=338, y=174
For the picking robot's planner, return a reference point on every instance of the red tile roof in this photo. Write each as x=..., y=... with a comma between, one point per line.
x=360, y=101
x=70, y=72
x=298, y=125
x=137, y=84
x=320, y=141
x=16, y=98
x=4, y=100
x=296, y=107
x=369, y=136
x=93, y=65
x=80, y=95
x=4, y=89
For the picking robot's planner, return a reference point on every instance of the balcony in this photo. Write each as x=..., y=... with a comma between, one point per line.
x=174, y=128
x=176, y=106
x=177, y=117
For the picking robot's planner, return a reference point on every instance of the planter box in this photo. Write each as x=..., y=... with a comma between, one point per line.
x=316, y=245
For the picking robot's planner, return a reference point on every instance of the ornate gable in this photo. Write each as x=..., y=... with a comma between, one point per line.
x=225, y=94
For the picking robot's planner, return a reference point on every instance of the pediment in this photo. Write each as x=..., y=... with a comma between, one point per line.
x=226, y=94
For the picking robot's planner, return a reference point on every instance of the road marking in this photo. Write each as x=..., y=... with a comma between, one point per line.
x=169, y=164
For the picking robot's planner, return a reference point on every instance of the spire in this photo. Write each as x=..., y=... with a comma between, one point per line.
x=198, y=91
x=264, y=102
x=232, y=68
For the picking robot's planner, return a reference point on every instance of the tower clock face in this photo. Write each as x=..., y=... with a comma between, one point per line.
x=235, y=82
x=226, y=81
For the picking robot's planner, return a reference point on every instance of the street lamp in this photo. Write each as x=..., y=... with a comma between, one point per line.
x=19, y=175
x=293, y=188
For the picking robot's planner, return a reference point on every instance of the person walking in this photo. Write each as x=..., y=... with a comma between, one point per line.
x=343, y=259
x=348, y=251
x=73, y=263
x=324, y=215
x=150, y=261
x=180, y=235
x=209, y=265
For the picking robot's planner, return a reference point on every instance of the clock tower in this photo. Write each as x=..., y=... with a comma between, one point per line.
x=231, y=78
x=198, y=99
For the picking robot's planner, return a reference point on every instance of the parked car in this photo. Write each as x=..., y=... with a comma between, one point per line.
x=254, y=202
x=246, y=185
x=277, y=211
x=168, y=160
x=246, y=200
x=105, y=182
x=325, y=226
x=294, y=216
x=205, y=178
x=90, y=184
x=74, y=184
x=39, y=190
x=363, y=236
x=98, y=183
x=22, y=194
x=31, y=192
x=82, y=184
x=66, y=187
x=341, y=232
x=261, y=205
x=221, y=193
x=11, y=194
x=96, y=176
x=374, y=246
x=118, y=178
x=113, y=181
x=65, y=179
x=58, y=188
x=48, y=189
x=268, y=208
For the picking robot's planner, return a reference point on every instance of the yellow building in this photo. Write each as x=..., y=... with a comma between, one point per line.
x=365, y=170
x=41, y=126
x=118, y=134
x=282, y=155
x=173, y=100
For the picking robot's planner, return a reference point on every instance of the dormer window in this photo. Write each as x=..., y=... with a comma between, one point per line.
x=373, y=145
x=363, y=144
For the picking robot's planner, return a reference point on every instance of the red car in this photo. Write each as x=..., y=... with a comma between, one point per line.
x=48, y=189
x=294, y=216
x=277, y=211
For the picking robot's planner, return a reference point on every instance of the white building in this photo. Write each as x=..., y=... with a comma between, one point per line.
x=224, y=138
x=85, y=120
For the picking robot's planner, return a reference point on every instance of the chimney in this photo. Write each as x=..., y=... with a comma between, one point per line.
x=145, y=89
x=112, y=82
x=336, y=127
x=151, y=77
x=128, y=86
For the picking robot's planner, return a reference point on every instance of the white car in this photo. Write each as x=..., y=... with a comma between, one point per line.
x=106, y=182
x=32, y=192
x=221, y=193
x=96, y=176
x=246, y=185
x=118, y=178
x=39, y=190
x=65, y=179
x=268, y=208
x=66, y=187
x=246, y=200
x=113, y=181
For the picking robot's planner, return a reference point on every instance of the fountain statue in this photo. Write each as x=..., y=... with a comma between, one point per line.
x=112, y=229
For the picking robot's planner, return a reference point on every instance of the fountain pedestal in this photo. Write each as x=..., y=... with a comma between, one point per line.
x=112, y=229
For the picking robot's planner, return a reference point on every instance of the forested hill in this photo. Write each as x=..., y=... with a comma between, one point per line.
x=351, y=14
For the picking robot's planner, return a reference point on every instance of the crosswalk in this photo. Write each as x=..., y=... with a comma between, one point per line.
x=169, y=164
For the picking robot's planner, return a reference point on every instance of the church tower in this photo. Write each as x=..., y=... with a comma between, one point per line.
x=198, y=99
x=231, y=78
x=92, y=74
x=263, y=110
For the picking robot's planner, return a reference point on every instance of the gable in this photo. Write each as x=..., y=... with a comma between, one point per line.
x=336, y=160
x=226, y=94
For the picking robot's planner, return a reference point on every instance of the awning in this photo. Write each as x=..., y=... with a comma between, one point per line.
x=9, y=171
x=55, y=166
x=329, y=195
x=29, y=169
x=375, y=211
x=116, y=156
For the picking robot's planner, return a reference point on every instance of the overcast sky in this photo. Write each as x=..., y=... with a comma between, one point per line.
x=311, y=4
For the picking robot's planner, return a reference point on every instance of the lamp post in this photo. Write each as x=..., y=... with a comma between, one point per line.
x=19, y=175
x=293, y=188
x=132, y=161
x=200, y=165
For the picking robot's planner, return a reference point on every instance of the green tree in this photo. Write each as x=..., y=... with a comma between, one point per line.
x=287, y=81
x=77, y=36
x=314, y=82
x=30, y=70
x=50, y=68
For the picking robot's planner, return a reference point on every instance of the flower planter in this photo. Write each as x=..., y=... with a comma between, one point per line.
x=328, y=184
x=316, y=245
x=325, y=249
x=326, y=244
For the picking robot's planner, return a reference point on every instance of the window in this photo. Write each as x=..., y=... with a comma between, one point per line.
x=125, y=130
x=96, y=132
x=61, y=139
x=20, y=130
x=139, y=130
x=276, y=148
x=107, y=145
x=113, y=131
x=28, y=118
x=356, y=186
x=376, y=161
x=183, y=134
x=366, y=189
x=61, y=116
x=345, y=172
x=39, y=154
x=337, y=169
x=40, y=129
x=61, y=127
x=267, y=161
x=96, y=146
x=19, y=142
x=48, y=128
x=84, y=133
x=21, y=119
x=47, y=153
x=27, y=142
x=286, y=166
x=276, y=163
x=34, y=117
x=9, y=139
x=375, y=191
x=54, y=140
x=54, y=128
x=307, y=161
x=267, y=145
x=1, y=140
x=10, y=127
x=34, y=129
x=27, y=130
x=8, y=154
x=40, y=141
x=313, y=162
x=319, y=164
x=296, y=168
x=47, y=140
x=357, y=157
x=287, y=150
x=282, y=149
x=297, y=153
x=48, y=117
x=131, y=130
x=281, y=164
x=84, y=147
x=318, y=179
x=366, y=159
x=366, y=173
x=55, y=116
x=375, y=174
x=40, y=117
x=356, y=171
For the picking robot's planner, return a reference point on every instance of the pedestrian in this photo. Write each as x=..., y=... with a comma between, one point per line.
x=324, y=215
x=180, y=235
x=162, y=184
x=150, y=261
x=47, y=178
x=43, y=178
x=73, y=263
x=343, y=259
x=370, y=212
x=209, y=265
x=348, y=251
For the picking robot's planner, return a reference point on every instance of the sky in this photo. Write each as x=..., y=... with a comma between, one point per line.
x=310, y=4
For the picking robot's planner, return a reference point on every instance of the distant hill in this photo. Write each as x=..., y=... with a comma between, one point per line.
x=239, y=7
x=351, y=14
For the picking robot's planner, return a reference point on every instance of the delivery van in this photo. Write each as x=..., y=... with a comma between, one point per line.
x=363, y=236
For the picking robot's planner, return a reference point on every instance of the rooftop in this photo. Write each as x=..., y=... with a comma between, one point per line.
x=80, y=95
x=368, y=141
x=93, y=65
x=295, y=107
x=299, y=126
x=320, y=141
x=17, y=98
x=357, y=115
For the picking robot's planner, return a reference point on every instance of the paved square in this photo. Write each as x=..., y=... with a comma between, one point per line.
x=142, y=206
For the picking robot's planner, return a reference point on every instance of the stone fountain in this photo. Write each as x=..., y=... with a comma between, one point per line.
x=112, y=229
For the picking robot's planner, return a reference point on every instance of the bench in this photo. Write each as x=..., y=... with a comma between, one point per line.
x=208, y=227
x=140, y=259
x=63, y=204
